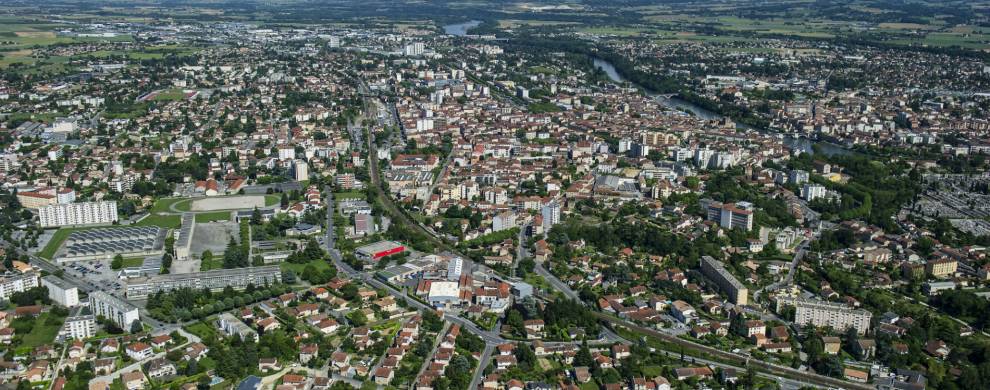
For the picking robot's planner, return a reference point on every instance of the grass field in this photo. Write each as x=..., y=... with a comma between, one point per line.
x=203, y=329
x=170, y=95
x=215, y=263
x=164, y=205
x=133, y=261
x=165, y=221
x=298, y=268
x=348, y=195
x=213, y=216
x=42, y=332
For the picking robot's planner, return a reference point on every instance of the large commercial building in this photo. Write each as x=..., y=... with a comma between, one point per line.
x=116, y=310
x=17, y=282
x=715, y=270
x=60, y=291
x=217, y=279
x=731, y=215
x=375, y=251
x=104, y=244
x=443, y=294
x=85, y=213
x=820, y=313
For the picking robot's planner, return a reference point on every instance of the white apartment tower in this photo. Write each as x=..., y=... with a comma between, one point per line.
x=85, y=213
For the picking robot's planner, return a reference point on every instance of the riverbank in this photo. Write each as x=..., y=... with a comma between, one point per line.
x=797, y=142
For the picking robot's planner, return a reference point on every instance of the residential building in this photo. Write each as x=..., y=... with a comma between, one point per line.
x=731, y=215
x=217, y=279
x=78, y=327
x=60, y=291
x=715, y=270
x=819, y=313
x=70, y=214
x=116, y=310
x=17, y=282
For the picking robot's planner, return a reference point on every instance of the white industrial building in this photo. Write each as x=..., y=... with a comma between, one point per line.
x=443, y=294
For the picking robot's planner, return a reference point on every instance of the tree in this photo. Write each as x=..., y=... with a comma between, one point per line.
x=288, y=276
x=256, y=217
x=285, y=200
x=234, y=256
x=432, y=321
x=136, y=327
x=583, y=357
x=525, y=356
x=118, y=262
x=357, y=318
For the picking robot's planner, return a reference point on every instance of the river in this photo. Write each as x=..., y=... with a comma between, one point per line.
x=801, y=143
x=460, y=29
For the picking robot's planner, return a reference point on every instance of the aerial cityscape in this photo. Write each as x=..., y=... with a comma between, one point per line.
x=494, y=195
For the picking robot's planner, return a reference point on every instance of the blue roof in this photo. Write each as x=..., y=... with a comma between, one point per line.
x=250, y=383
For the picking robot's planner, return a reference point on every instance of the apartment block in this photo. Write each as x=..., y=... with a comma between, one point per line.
x=821, y=314
x=217, y=279
x=17, y=282
x=79, y=327
x=731, y=215
x=114, y=309
x=61, y=292
x=727, y=283
x=85, y=213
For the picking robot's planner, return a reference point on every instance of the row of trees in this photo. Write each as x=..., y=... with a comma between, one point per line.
x=185, y=304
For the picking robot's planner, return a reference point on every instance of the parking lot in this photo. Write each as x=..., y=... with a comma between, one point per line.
x=213, y=236
x=98, y=275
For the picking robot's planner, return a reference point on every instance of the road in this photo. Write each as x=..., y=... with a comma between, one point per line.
x=483, y=362
x=190, y=338
x=492, y=338
x=785, y=383
x=521, y=252
x=799, y=253
x=738, y=360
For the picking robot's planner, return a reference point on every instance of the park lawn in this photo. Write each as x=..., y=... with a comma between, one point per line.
x=537, y=281
x=42, y=333
x=320, y=265
x=215, y=263
x=272, y=199
x=165, y=221
x=164, y=205
x=133, y=261
x=348, y=195
x=184, y=205
x=213, y=216
x=202, y=329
